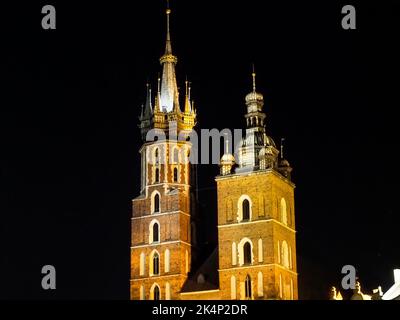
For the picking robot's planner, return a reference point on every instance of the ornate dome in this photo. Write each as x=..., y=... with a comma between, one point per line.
x=254, y=97
x=260, y=139
x=268, y=141
x=284, y=163
x=228, y=158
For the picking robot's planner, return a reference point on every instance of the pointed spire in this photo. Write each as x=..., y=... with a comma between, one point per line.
x=157, y=107
x=148, y=108
x=168, y=46
x=254, y=79
x=193, y=108
x=168, y=61
x=282, y=140
x=142, y=112
x=188, y=107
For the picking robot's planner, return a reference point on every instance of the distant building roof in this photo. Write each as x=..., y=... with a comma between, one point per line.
x=206, y=277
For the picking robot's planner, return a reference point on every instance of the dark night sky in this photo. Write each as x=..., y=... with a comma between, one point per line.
x=70, y=98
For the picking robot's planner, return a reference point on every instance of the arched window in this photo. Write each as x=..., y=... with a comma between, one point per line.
x=246, y=210
x=155, y=292
x=154, y=231
x=284, y=219
x=247, y=286
x=247, y=253
x=245, y=249
x=156, y=203
x=156, y=264
x=285, y=255
x=175, y=174
x=157, y=176
x=201, y=279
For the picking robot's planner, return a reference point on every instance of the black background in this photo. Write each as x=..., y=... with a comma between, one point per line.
x=70, y=100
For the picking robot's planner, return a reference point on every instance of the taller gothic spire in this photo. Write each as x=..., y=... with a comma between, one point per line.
x=169, y=89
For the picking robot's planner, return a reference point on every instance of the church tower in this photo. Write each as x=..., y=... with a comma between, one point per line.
x=256, y=225
x=164, y=212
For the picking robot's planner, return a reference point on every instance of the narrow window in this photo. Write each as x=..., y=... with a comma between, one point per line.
x=247, y=253
x=156, y=264
x=156, y=229
x=175, y=174
x=156, y=293
x=246, y=210
x=156, y=203
x=248, y=287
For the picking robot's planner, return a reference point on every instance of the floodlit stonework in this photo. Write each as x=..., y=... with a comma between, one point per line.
x=256, y=253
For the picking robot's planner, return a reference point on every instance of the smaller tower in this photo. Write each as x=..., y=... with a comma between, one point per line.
x=257, y=148
x=146, y=117
x=227, y=161
x=284, y=167
x=256, y=220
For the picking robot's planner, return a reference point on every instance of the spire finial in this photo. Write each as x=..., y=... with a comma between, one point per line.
x=159, y=83
x=254, y=78
x=169, y=90
x=168, y=48
x=282, y=140
x=226, y=143
x=190, y=90
x=188, y=107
